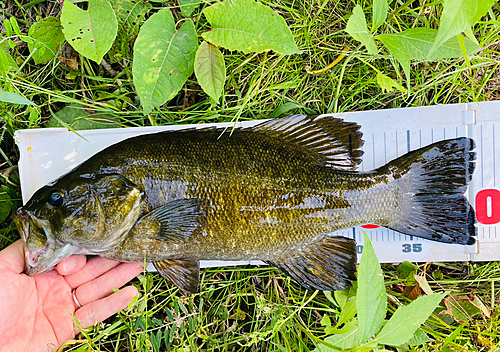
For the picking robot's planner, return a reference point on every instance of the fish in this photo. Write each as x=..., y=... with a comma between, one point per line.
x=274, y=192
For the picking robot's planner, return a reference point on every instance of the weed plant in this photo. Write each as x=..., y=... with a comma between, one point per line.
x=256, y=308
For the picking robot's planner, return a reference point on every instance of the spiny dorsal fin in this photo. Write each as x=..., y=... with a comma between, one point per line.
x=327, y=265
x=174, y=221
x=333, y=142
x=183, y=273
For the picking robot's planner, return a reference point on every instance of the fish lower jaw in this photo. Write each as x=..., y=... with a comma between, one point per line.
x=45, y=259
x=33, y=256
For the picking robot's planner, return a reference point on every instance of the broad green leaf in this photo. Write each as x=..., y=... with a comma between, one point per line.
x=395, y=45
x=78, y=118
x=356, y=27
x=415, y=43
x=407, y=319
x=8, y=28
x=248, y=26
x=346, y=300
x=371, y=298
x=5, y=209
x=277, y=112
x=15, y=26
x=405, y=270
x=47, y=34
x=188, y=6
x=419, y=338
x=418, y=41
x=7, y=63
x=346, y=340
x=9, y=191
x=14, y=98
x=348, y=311
x=163, y=59
x=341, y=296
x=388, y=84
x=380, y=8
x=346, y=327
x=326, y=322
x=457, y=17
x=210, y=70
x=91, y=32
x=6, y=205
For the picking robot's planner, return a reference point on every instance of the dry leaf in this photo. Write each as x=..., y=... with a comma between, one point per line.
x=424, y=285
x=412, y=292
x=69, y=57
x=463, y=308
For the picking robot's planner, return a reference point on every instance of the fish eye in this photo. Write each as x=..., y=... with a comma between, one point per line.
x=55, y=199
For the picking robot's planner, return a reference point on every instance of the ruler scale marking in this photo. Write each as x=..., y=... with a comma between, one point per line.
x=408, y=141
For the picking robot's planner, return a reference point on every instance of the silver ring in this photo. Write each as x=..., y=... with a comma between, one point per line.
x=76, y=300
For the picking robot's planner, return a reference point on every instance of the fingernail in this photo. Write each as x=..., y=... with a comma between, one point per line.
x=68, y=265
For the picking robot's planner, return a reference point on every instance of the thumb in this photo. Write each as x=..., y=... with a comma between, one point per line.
x=12, y=257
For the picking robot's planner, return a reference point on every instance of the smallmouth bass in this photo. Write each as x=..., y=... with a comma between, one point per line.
x=273, y=192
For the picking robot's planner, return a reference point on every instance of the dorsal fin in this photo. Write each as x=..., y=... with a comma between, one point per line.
x=331, y=141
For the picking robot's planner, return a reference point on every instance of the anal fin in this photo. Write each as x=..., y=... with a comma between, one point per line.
x=183, y=273
x=328, y=264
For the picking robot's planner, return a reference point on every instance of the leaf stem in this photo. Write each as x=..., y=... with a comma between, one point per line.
x=335, y=62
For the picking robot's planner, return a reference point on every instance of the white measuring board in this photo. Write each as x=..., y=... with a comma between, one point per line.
x=48, y=153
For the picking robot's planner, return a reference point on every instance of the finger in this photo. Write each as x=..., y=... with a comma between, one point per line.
x=72, y=264
x=104, y=285
x=97, y=311
x=12, y=257
x=95, y=267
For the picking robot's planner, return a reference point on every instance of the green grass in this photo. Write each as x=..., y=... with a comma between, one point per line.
x=250, y=308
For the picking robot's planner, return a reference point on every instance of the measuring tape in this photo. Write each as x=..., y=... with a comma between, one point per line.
x=50, y=152
x=392, y=133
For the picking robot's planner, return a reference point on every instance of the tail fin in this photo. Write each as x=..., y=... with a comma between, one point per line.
x=437, y=177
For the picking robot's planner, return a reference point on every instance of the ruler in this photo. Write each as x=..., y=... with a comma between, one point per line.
x=50, y=152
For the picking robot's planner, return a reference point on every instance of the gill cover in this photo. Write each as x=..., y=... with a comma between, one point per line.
x=100, y=212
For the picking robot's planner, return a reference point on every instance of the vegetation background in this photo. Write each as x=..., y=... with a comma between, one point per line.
x=250, y=308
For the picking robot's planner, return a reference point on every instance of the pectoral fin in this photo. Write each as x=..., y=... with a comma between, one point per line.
x=327, y=265
x=183, y=273
x=174, y=221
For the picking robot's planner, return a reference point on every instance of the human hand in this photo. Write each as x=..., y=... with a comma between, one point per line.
x=35, y=312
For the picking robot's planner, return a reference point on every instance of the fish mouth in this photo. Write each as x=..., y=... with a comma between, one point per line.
x=33, y=256
x=41, y=249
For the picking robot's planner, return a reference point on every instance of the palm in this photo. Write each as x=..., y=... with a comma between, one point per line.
x=36, y=312
x=40, y=304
